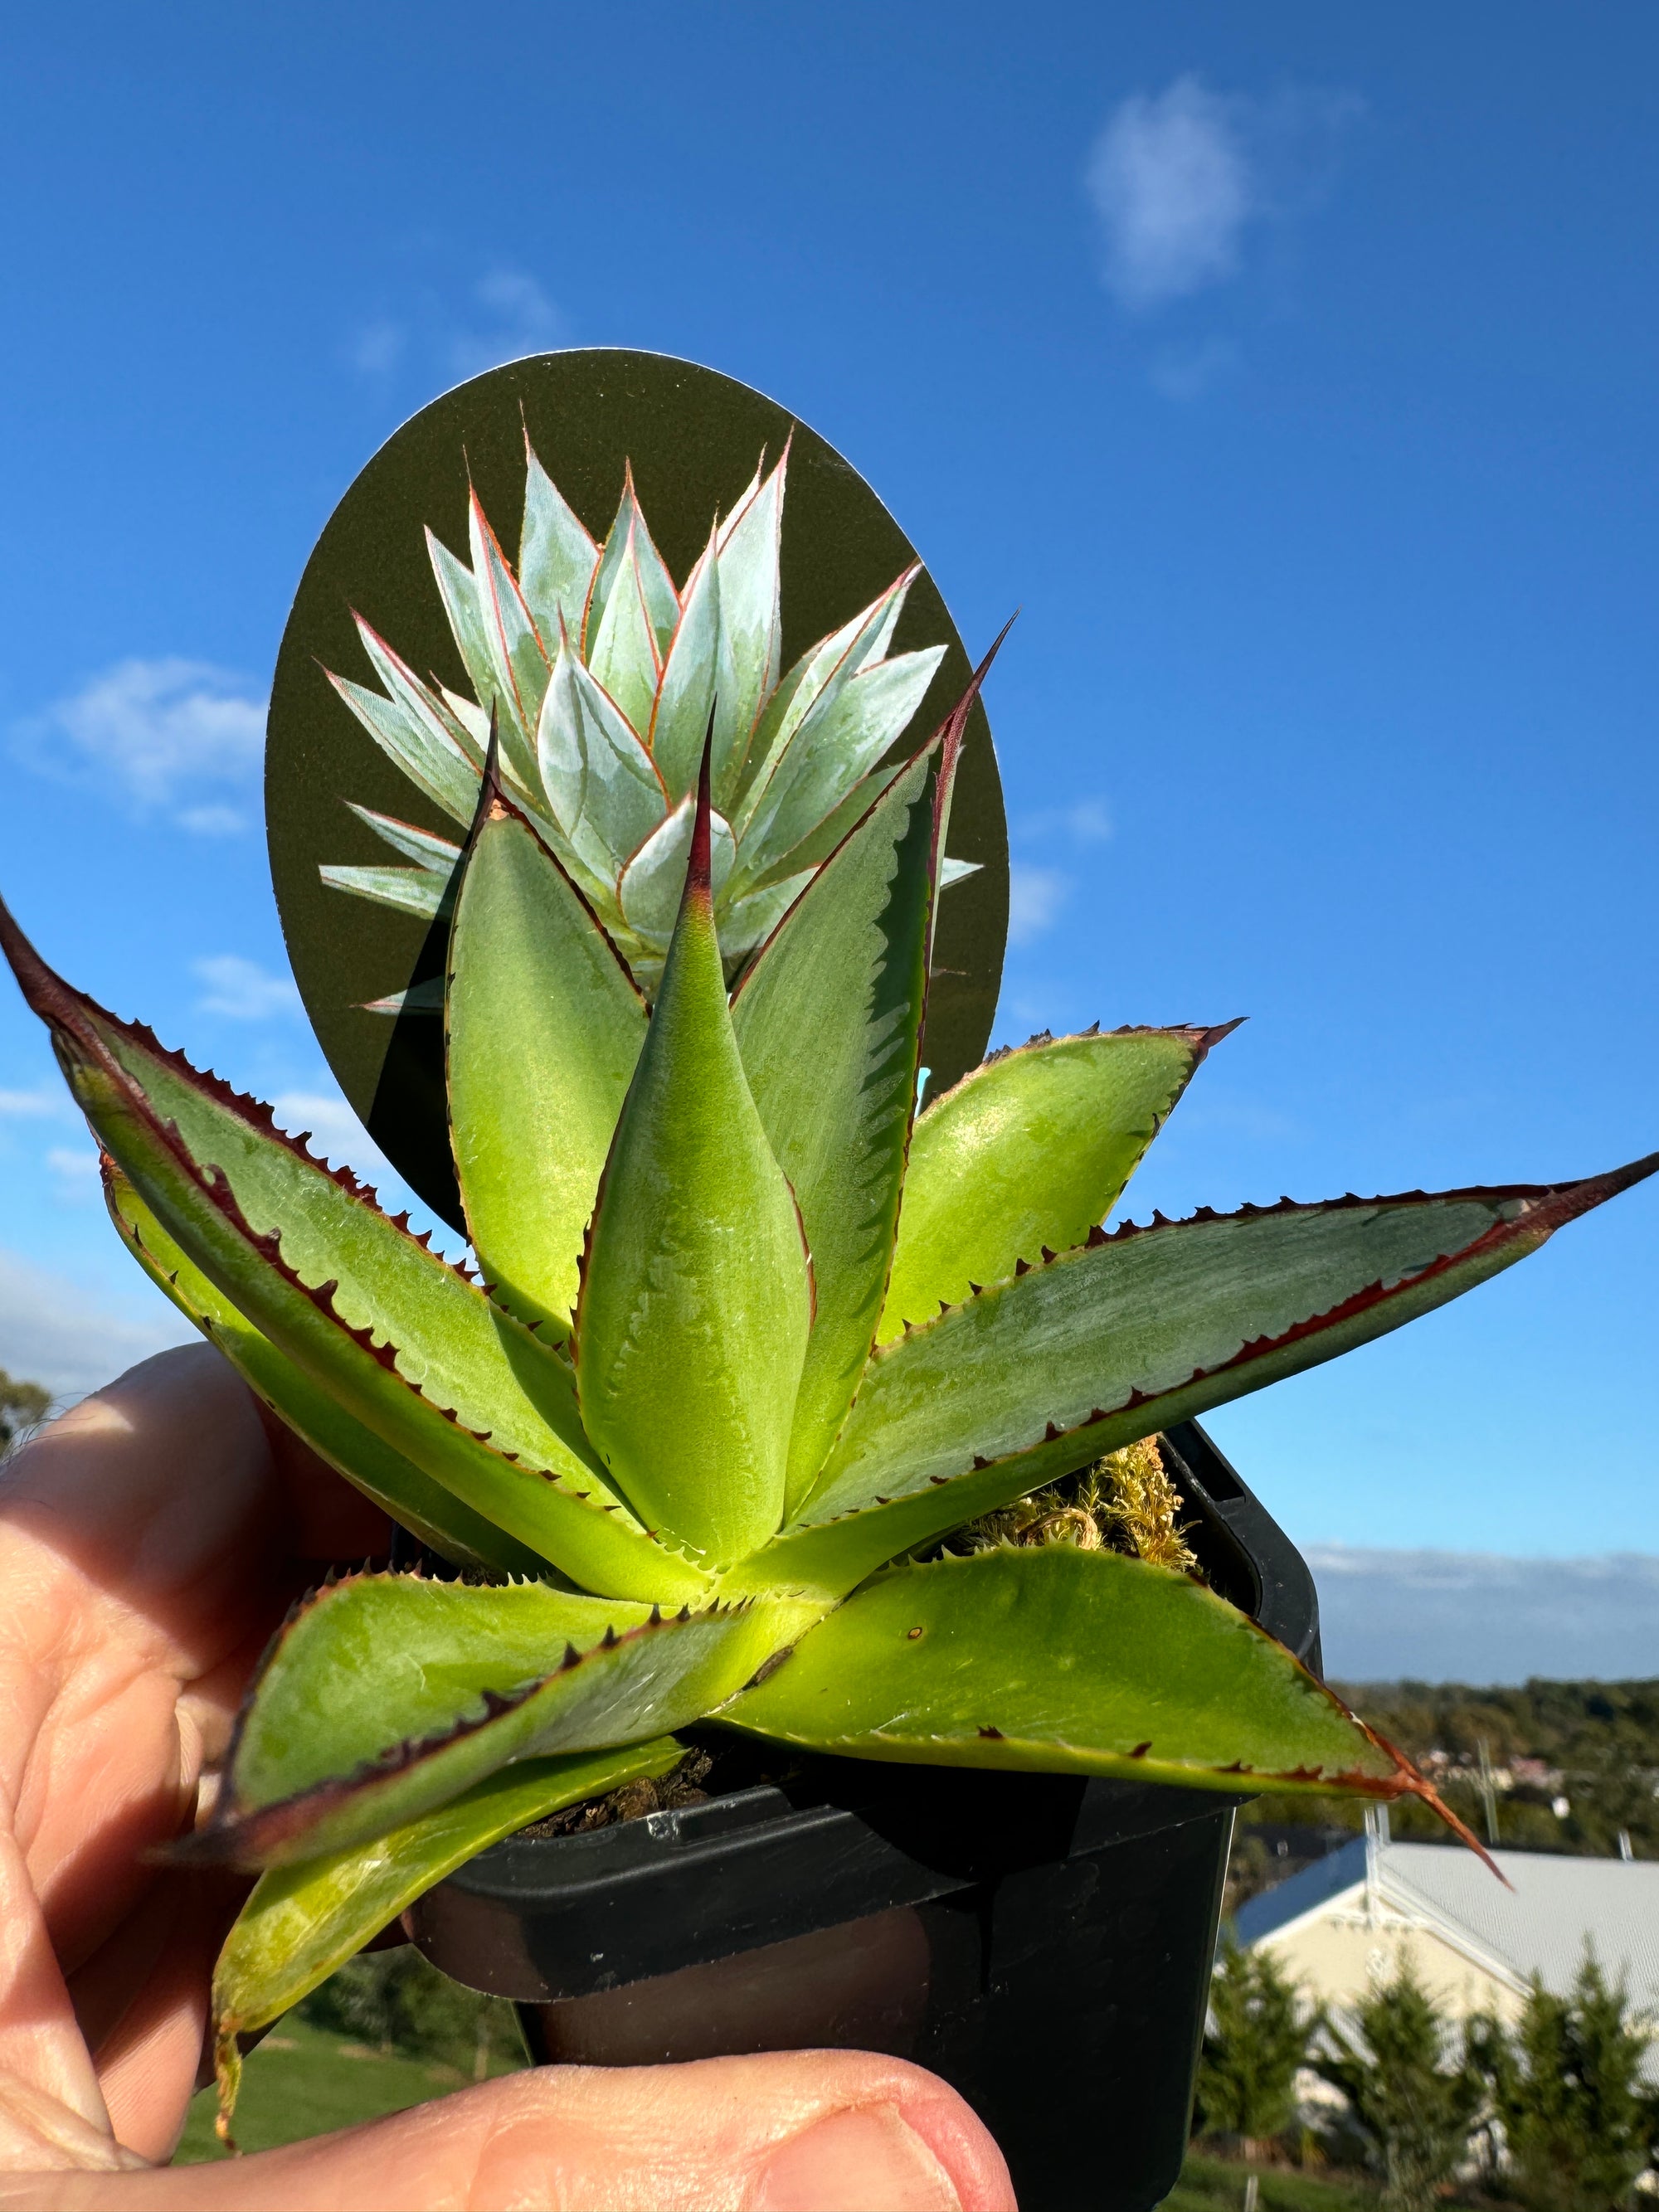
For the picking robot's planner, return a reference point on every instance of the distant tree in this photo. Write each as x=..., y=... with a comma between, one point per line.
x=1411, y=2103
x=23, y=1406
x=1255, y=2044
x=1601, y=1739
x=394, y=2000
x=1579, y=2124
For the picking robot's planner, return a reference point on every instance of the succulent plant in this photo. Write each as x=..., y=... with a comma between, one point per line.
x=768, y=1394
x=694, y=1438
x=603, y=677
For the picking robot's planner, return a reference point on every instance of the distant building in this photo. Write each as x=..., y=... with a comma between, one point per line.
x=1343, y=1922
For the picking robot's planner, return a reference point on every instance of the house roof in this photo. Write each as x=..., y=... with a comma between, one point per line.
x=1554, y=1906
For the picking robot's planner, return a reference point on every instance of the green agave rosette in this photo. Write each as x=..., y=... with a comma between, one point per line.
x=747, y=1333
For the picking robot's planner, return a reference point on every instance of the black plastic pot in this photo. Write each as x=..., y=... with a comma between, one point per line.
x=1042, y=1942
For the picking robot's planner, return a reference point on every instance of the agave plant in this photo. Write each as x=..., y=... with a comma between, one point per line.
x=751, y=1339
x=601, y=678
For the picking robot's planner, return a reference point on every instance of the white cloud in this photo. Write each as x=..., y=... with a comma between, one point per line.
x=53, y=1331
x=213, y=821
x=518, y=318
x=334, y=1130
x=504, y=315
x=1036, y=889
x=1178, y=177
x=377, y=347
x=154, y=732
x=47, y=1103
x=1082, y=821
x=75, y=1172
x=1478, y=1617
x=1171, y=179
x=1088, y=822
x=241, y=990
x=1036, y=897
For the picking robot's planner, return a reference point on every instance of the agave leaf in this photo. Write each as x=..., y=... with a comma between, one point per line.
x=697, y=1297
x=848, y=969
x=304, y=1920
x=1030, y=1150
x=1128, y=1335
x=411, y=890
x=395, y=1334
x=630, y=542
x=654, y=882
x=471, y=723
x=623, y=656
x=426, y=996
x=458, y=588
x=751, y=626
x=662, y=601
x=601, y=783
x=1125, y=1321
x=745, y=498
x=437, y=737
x=438, y=855
x=822, y=839
x=556, y=557
x=425, y=1508
x=1065, y=1660
x=820, y=673
x=433, y=763
x=765, y=738
x=749, y=920
x=691, y=676
x=544, y=1027
x=428, y=708
x=873, y=642
x=386, y=1695
x=836, y=744
x=598, y=888
x=519, y=659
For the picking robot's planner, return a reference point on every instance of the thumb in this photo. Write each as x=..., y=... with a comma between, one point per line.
x=786, y=2131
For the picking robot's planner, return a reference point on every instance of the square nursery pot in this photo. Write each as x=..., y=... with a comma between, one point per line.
x=1042, y=1941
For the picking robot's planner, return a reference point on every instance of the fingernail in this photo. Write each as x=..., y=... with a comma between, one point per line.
x=862, y=2161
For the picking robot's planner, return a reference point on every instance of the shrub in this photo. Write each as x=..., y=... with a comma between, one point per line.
x=23, y=1406
x=1255, y=2044
x=1411, y=2105
x=1579, y=2125
x=393, y=2001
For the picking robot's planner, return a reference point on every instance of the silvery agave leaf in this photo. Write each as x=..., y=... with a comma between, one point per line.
x=751, y=1341
x=601, y=676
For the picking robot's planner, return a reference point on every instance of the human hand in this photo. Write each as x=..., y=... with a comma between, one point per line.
x=149, y=1543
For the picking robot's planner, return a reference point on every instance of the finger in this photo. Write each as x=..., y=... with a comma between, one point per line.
x=149, y=1543
x=125, y=1536
x=788, y=2131
x=41, y=2051
x=144, y=1504
x=144, y=2014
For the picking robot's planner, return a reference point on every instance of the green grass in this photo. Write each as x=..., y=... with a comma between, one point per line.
x=303, y=2081
x=1209, y=2184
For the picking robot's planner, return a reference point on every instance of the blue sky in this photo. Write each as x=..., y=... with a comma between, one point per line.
x=1292, y=367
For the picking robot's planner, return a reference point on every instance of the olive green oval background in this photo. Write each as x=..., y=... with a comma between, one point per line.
x=693, y=437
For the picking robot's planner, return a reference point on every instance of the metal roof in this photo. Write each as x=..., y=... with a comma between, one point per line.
x=1540, y=1925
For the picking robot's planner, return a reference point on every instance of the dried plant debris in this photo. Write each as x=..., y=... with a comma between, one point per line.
x=1124, y=1502
x=668, y=1793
